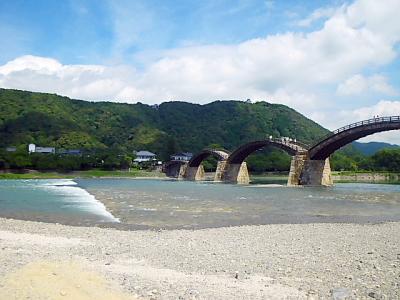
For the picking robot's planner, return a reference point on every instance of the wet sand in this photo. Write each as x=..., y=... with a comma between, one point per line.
x=293, y=261
x=56, y=281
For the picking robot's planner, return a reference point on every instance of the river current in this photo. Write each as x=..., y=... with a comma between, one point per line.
x=167, y=204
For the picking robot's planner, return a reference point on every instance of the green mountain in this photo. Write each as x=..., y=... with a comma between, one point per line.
x=373, y=147
x=111, y=131
x=52, y=120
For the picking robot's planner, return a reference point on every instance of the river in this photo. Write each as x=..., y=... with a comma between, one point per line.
x=168, y=204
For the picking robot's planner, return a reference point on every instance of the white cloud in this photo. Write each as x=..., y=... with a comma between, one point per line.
x=382, y=108
x=290, y=68
x=89, y=82
x=353, y=85
x=318, y=14
x=344, y=117
x=379, y=84
x=40, y=65
x=359, y=84
x=377, y=17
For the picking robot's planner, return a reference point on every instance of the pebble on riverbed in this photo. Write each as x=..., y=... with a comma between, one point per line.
x=341, y=294
x=298, y=261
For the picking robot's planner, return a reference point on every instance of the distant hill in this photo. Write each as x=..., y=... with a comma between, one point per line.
x=52, y=120
x=373, y=147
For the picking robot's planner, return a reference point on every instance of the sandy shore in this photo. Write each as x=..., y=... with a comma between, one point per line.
x=297, y=261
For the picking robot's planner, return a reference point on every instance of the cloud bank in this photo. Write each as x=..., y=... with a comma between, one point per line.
x=307, y=71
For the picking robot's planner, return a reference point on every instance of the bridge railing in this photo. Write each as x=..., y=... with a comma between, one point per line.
x=216, y=149
x=289, y=142
x=390, y=119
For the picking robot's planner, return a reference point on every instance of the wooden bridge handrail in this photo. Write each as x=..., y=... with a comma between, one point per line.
x=216, y=149
x=289, y=143
x=388, y=119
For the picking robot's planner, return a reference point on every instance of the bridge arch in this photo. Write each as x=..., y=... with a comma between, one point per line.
x=195, y=171
x=202, y=155
x=347, y=134
x=174, y=168
x=236, y=168
x=240, y=154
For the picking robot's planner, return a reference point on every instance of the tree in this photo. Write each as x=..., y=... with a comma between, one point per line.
x=68, y=163
x=19, y=159
x=387, y=160
x=269, y=160
x=171, y=147
x=43, y=161
x=341, y=162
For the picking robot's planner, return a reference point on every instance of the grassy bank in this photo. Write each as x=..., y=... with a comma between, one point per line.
x=338, y=177
x=81, y=174
x=367, y=177
x=364, y=172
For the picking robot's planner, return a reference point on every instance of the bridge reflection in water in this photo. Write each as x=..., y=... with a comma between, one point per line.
x=309, y=165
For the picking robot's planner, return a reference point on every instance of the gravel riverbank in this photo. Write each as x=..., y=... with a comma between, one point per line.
x=294, y=261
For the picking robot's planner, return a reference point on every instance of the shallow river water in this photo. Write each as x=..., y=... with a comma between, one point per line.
x=150, y=203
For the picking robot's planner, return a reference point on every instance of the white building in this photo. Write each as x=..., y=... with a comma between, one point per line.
x=143, y=156
x=11, y=149
x=182, y=156
x=32, y=148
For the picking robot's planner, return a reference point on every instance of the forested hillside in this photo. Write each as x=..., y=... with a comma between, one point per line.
x=114, y=130
x=51, y=120
x=373, y=147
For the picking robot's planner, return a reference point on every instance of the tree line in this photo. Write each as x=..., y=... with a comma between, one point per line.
x=269, y=160
x=385, y=160
x=274, y=160
x=107, y=159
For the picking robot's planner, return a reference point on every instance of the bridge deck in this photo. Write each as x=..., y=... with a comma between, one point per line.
x=349, y=133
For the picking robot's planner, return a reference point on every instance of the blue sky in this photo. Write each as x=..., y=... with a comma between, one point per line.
x=334, y=61
x=97, y=32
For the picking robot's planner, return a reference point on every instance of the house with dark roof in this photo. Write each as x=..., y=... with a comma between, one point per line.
x=143, y=155
x=76, y=152
x=182, y=156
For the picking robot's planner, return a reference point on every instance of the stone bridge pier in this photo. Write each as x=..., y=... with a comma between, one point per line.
x=182, y=171
x=303, y=171
x=236, y=173
x=194, y=173
x=316, y=172
x=225, y=172
x=195, y=170
x=198, y=174
x=236, y=167
x=308, y=172
x=296, y=168
x=175, y=169
x=219, y=172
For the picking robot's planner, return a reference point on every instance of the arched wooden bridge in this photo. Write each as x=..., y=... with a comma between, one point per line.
x=350, y=133
x=309, y=166
x=289, y=146
x=202, y=155
x=194, y=169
